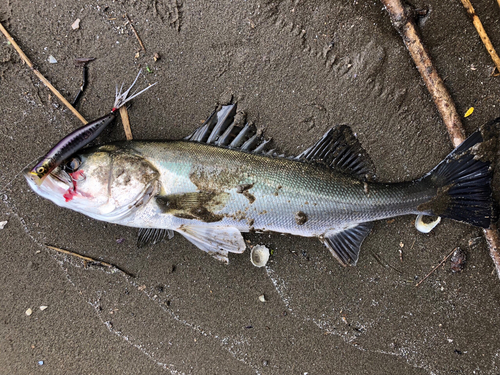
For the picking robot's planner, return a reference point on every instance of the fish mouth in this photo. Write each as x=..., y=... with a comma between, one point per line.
x=55, y=183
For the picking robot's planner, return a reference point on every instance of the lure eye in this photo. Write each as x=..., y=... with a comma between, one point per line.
x=40, y=170
x=72, y=165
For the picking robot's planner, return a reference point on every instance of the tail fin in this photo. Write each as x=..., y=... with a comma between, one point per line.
x=463, y=180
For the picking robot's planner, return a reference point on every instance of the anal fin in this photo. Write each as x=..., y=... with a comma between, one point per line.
x=218, y=241
x=345, y=245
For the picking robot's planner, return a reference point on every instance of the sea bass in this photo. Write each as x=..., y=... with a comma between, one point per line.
x=220, y=181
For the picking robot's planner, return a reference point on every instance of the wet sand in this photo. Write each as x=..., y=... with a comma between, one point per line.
x=296, y=68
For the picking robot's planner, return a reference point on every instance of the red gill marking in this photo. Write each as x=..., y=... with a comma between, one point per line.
x=71, y=193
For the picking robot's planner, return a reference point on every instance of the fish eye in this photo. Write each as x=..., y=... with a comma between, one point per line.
x=72, y=164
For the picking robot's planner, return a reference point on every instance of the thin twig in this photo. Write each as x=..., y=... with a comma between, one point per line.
x=88, y=259
x=402, y=20
x=40, y=76
x=383, y=263
x=435, y=268
x=126, y=123
x=482, y=33
x=135, y=32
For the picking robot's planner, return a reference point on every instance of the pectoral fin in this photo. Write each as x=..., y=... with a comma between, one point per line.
x=345, y=245
x=152, y=236
x=218, y=241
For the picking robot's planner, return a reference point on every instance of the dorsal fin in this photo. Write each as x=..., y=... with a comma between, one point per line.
x=341, y=150
x=223, y=129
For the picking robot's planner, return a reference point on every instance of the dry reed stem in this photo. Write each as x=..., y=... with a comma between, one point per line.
x=126, y=123
x=40, y=76
x=482, y=33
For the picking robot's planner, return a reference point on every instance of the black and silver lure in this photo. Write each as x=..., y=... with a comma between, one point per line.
x=80, y=137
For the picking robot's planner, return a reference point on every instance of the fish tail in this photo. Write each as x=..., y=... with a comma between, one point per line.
x=463, y=180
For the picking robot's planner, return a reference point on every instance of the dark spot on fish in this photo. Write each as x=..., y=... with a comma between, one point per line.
x=251, y=222
x=238, y=215
x=185, y=216
x=201, y=213
x=243, y=189
x=213, y=180
x=485, y=151
x=119, y=172
x=439, y=204
x=240, y=189
x=278, y=188
x=249, y=196
x=300, y=218
x=191, y=206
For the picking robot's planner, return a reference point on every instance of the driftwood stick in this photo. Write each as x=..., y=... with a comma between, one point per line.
x=482, y=33
x=402, y=20
x=40, y=76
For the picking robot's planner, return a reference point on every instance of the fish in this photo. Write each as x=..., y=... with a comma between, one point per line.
x=223, y=180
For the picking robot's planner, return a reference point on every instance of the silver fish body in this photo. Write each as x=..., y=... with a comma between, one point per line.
x=255, y=192
x=211, y=193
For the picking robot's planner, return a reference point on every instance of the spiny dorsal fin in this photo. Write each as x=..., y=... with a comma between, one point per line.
x=153, y=236
x=341, y=150
x=345, y=245
x=223, y=129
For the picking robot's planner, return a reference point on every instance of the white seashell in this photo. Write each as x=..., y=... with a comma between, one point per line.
x=262, y=298
x=259, y=255
x=28, y=312
x=76, y=25
x=426, y=227
x=52, y=59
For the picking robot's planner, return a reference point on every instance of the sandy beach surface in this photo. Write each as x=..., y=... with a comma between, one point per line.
x=296, y=68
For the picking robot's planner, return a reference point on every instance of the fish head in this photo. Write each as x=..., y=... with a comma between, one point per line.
x=106, y=183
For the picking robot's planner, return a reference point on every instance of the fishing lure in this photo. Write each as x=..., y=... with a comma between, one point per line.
x=80, y=137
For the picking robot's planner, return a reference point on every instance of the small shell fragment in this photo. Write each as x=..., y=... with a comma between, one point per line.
x=3, y=224
x=28, y=312
x=259, y=255
x=76, y=25
x=43, y=308
x=52, y=59
x=262, y=298
x=426, y=227
x=458, y=260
